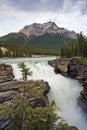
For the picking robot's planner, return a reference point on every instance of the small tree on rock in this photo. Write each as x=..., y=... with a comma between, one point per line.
x=21, y=116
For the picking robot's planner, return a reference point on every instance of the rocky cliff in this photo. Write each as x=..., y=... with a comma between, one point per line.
x=82, y=76
x=9, y=88
x=73, y=69
x=6, y=73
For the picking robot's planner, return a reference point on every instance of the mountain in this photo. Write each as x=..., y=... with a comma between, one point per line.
x=49, y=27
x=46, y=36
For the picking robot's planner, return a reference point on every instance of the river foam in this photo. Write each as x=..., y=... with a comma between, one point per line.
x=64, y=90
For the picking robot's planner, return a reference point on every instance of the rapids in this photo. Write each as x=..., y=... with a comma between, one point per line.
x=64, y=91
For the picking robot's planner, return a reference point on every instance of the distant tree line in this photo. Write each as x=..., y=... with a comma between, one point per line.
x=76, y=49
x=15, y=50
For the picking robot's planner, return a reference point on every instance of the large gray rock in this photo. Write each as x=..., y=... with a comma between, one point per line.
x=60, y=65
x=6, y=73
x=12, y=85
x=65, y=66
x=6, y=96
x=72, y=68
x=9, y=89
x=3, y=122
x=82, y=99
x=54, y=64
x=82, y=77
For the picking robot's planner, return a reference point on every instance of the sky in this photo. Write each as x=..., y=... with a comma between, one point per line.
x=70, y=14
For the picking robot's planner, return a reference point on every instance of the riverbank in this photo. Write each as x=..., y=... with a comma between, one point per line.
x=9, y=88
x=39, y=71
x=76, y=70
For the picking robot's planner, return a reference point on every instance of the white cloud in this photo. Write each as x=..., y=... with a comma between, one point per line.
x=12, y=19
x=44, y=1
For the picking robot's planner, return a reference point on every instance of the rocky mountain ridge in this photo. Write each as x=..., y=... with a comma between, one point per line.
x=42, y=36
x=37, y=29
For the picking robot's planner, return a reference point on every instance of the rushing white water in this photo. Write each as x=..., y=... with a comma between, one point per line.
x=65, y=91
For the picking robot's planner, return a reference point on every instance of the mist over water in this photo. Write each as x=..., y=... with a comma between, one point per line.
x=65, y=91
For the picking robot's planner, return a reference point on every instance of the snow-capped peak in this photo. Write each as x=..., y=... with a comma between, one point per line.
x=50, y=25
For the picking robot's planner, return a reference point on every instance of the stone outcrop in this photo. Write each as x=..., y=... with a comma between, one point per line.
x=3, y=123
x=9, y=88
x=6, y=96
x=82, y=100
x=66, y=67
x=6, y=73
x=60, y=65
x=72, y=69
x=55, y=65
x=79, y=72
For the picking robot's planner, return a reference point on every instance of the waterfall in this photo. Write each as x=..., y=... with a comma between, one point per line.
x=64, y=91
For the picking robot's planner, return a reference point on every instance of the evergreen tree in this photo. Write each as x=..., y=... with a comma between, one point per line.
x=76, y=49
x=22, y=116
x=81, y=42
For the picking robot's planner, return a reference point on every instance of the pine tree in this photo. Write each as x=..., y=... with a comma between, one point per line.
x=22, y=116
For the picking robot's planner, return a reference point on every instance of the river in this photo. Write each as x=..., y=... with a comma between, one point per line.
x=64, y=90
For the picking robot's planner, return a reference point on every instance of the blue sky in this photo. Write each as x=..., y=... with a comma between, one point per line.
x=70, y=14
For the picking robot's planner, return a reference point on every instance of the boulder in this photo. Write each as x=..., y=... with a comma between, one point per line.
x=65, y=66
x=54, y=64
x=7, y=86
x=45, y=86
x=72, y=68
x=60, y=65
x=6, y=73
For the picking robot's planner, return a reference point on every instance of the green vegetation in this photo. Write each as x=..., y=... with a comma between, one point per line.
x=22, y=116
x=38, y=82
x=19, y=45
x=46, y=41
x=14, y=50
x=78, y=48
x=83, y=61
x=12, y=38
